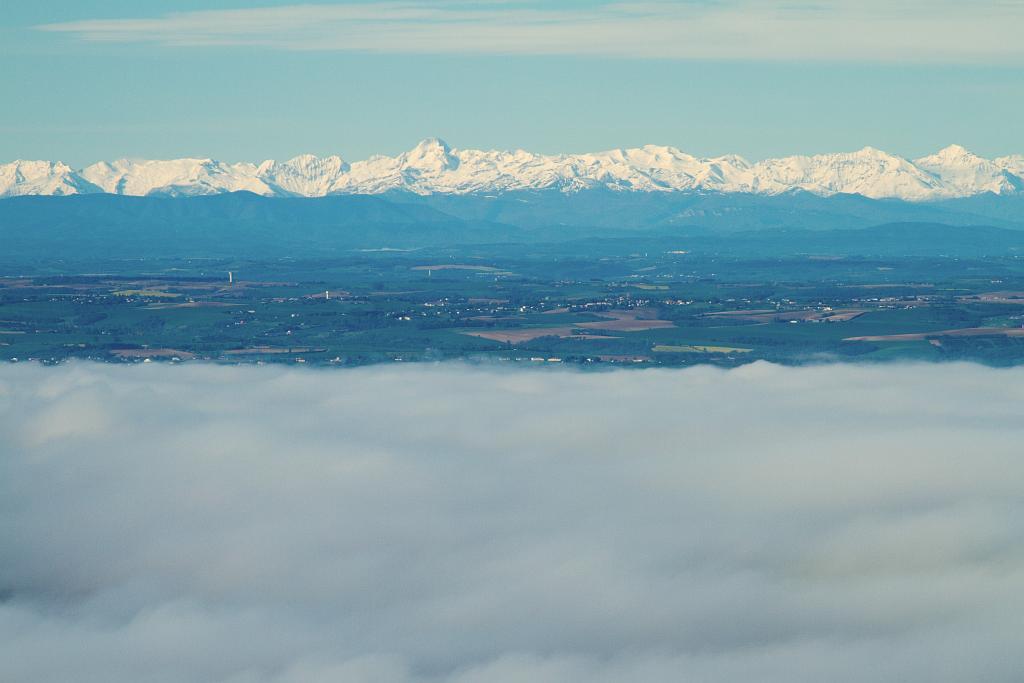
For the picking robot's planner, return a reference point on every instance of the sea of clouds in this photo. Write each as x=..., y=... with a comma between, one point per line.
x=449, y=524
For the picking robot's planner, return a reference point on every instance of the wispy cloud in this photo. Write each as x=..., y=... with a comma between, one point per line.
x=455, y=525
x=987, y=31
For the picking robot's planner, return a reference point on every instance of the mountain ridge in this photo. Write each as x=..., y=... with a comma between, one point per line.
x=434, y=167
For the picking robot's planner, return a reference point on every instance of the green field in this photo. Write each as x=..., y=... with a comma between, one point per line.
x=585, y=304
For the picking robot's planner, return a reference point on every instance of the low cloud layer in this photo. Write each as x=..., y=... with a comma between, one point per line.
x=948, y=31
x=457, y=525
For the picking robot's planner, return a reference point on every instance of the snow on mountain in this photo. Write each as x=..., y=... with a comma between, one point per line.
x=176, y=177
x=965, y=173
x=654, y=168
x=435, y=167
x=869, y=172
x=41, y=177
x=1013, y=164
x=432, y=166
x=305, y=175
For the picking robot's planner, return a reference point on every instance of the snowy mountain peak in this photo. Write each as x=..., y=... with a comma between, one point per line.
x=431, y=155
x=965, y=173
x=433, y=166
x=432, y=145
x=24, y=177
x=174, y=177
x=954, y=152
x=304, y=175
x=953, y=155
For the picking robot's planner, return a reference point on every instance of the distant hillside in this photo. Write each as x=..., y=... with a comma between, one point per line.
x=595, y=210
x=245, y=225
x=237, y=224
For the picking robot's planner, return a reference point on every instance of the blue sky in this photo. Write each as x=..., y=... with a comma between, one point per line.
x=247, y=80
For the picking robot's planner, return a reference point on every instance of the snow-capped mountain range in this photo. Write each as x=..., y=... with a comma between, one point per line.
x=434, y=167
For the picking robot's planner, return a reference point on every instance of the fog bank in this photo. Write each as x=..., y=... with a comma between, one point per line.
x=448, y=524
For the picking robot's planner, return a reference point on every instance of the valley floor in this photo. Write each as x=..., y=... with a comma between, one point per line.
x=596, y=305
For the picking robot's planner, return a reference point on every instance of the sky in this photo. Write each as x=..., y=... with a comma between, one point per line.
x=85, y=80
x=454, y=524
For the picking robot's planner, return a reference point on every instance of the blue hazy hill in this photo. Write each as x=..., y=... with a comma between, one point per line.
x=247, y=225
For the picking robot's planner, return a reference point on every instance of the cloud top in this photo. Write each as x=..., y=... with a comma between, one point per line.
x=802, y=30
x=460, y=525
